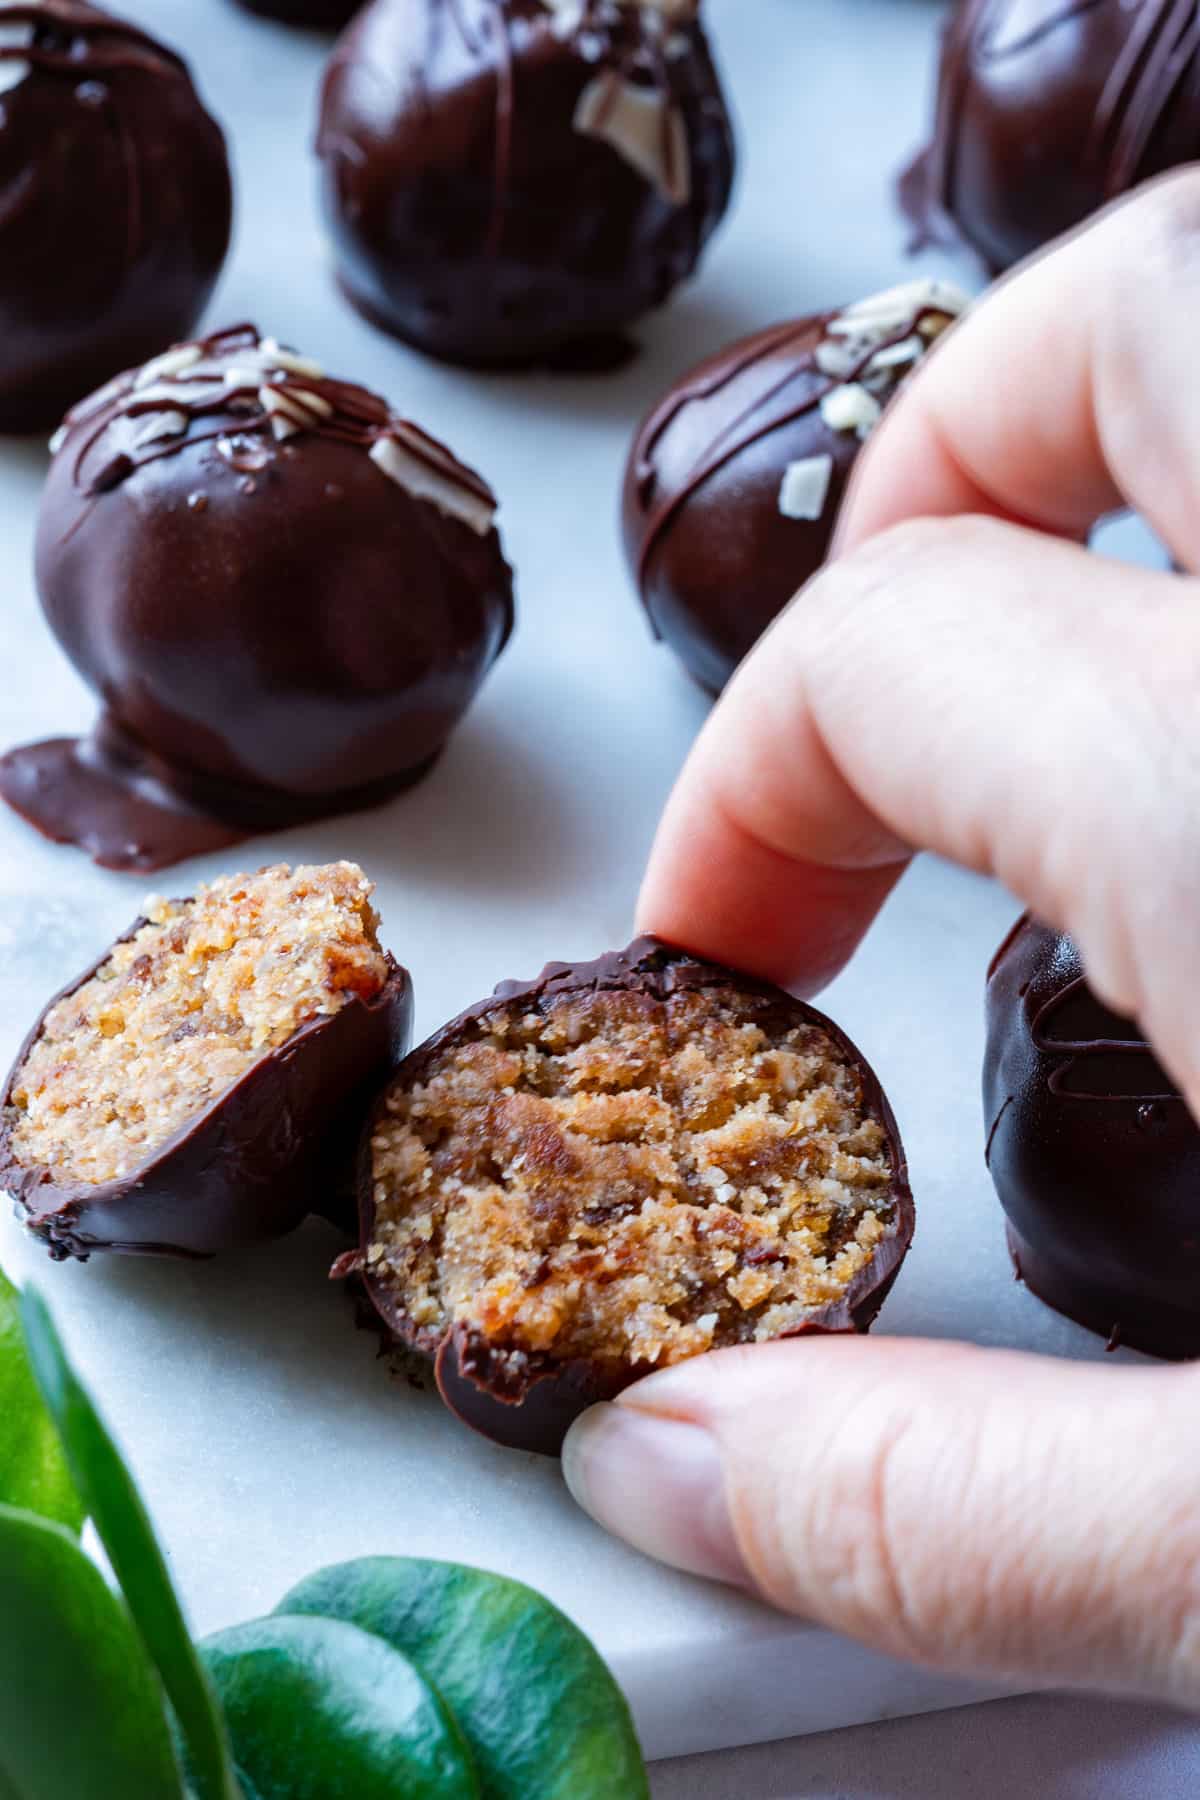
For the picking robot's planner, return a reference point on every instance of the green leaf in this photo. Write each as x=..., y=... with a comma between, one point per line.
x=320, y=1710
x=81, y=1712
x=33, y=1469
x=115, y=1506
x=543, y=1716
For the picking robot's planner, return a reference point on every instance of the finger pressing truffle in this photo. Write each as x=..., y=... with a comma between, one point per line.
x=619, y=1166
x=194, y=1090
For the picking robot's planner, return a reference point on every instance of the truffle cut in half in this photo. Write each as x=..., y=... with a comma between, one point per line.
x=619, y=1166
x=196, y=1088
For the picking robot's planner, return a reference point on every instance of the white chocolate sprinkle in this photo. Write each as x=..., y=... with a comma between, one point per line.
x=893, y=306
x=805, y=487
x=315, y=403
x=275, y=356
x=424, y=483
x=171, y=362
x=644, y=127
x=897, y=356
x=159, y=426
x=850, y=408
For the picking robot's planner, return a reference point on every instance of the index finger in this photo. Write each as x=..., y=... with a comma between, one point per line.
x=1067, y=393
x=921, y=700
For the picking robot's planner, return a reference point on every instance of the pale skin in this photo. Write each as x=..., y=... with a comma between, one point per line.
x=965, y=677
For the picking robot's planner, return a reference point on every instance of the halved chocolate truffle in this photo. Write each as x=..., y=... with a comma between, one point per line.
x=204, y=1084
x=506, y=180
x=285, y=594
x=1094, y=1152
x=618, y=1166
x=115, y=204
x=1048, y=109
x=735, y=479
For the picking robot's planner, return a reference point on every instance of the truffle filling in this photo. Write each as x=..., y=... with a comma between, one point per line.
x=627, y=1178
x=180, y=1011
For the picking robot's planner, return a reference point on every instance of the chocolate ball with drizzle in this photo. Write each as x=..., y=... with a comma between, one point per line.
x=115, y=204
x=1094, y=1153
x=735, y=479
x=512, y=181
x=285, y=594
x=1048, y=109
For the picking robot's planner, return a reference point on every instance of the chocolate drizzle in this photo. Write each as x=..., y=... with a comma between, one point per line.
x=285, y=594
x=1047, y=110
x=504, y=178
x=104, y=147
x=236, y=387
x=713, y=558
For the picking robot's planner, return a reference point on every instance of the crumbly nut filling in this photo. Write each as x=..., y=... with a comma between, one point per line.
x=619, y=1176
x=183, y=1009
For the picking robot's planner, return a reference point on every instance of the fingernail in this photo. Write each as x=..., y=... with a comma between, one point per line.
x=658, y=1484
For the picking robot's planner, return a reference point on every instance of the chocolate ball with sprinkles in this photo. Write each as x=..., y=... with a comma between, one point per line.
x=518, y=181
x=1047, y=110
x=285, y=594
x=616, y=1167
x=115, y=204
x=735, y=478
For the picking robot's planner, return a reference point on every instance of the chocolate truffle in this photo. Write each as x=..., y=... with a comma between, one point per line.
x=509, y=181
x=1094, y=1153
x=735, y=479
x=285, y=594
x=1046, y=110
x=618, y=1166
x=319, y=15
x=115, y=204
x=202, y=1086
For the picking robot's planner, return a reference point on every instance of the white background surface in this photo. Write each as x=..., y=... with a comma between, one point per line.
x=267, y=1436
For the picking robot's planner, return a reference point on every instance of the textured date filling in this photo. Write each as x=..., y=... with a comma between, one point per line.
x=618, y=1176
x=181, y=1011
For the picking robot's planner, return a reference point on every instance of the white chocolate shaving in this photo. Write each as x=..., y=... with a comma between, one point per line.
x=171, y=362
x=893, y=307
x=424, y=483
x=897, y=356
x=159, y=426
x=644, y=127
x=850, y=408
x=805, y=487
x=834, y=359
x=276, y=357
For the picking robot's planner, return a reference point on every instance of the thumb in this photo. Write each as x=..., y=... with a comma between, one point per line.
x=978, y=1510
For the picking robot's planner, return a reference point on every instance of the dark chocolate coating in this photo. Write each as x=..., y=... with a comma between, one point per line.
x=529, y=1403
x=258, y=1160
x=472, y=216
x=1048, y=109
x=714, y=558
x=278, y=629
x=1095, y=1155
x=317, y=15
x=115, y=204
x=713, y=554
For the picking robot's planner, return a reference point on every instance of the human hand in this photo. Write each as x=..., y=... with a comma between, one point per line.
x=964, y=677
